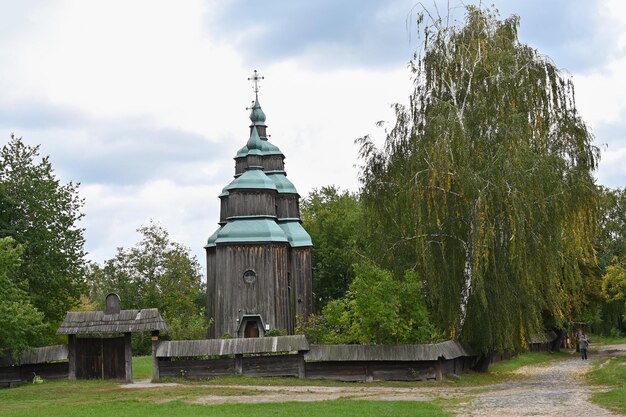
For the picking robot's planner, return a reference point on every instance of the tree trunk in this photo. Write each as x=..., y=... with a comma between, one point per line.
x=482, y=363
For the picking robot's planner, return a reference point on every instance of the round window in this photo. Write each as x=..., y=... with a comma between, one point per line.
x=249, y=276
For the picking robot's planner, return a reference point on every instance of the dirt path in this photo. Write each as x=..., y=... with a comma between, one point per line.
x=553, y=390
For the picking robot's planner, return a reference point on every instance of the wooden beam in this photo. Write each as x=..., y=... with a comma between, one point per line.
x=71, y=355
x=128, y=357
x=155, y=360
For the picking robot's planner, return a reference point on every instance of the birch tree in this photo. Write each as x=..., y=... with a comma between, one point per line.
x=484, y=184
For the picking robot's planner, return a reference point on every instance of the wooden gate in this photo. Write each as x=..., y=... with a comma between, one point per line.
x=100, y=358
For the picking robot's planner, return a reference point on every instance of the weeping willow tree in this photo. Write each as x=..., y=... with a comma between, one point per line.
x=484, y=185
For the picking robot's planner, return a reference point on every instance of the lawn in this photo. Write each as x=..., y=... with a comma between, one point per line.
x=105, y=398
x=611, y=373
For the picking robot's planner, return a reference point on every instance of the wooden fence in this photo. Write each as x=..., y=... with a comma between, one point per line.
x=48, y=362
x=293, y=356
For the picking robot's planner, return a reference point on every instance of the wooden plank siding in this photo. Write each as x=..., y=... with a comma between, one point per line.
x=268, y=162
x=301, y=272
x=266, y=296
x=287, y=206
x=210, y=288
x=251, y=203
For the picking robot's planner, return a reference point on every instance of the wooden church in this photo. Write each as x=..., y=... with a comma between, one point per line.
x=259, y=274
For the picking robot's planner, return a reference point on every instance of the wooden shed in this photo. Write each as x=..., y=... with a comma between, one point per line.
x=99, y=342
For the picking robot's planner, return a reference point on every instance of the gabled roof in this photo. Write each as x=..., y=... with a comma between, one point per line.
x=93, y=322
x=447, y=350
x=220, y=347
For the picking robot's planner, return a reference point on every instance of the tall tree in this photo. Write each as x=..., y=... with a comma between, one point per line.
x=21, y=324
x=42, y=214
x=484, y=186
x=611, y=247
x=333, y=219
x=155, y=273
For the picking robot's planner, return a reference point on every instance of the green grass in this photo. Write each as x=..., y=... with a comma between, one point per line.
x=611, y=373
x=607, y=340
x=142, y=367
x=104, y=398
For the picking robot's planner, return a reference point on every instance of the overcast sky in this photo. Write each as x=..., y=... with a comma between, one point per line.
x=143, y=101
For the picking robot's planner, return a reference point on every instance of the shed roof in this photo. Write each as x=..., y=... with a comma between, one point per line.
x=38, y=355
x=448, y=350
x=91, y=322
x=219, y=347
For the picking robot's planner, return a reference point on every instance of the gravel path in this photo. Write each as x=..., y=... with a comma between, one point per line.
x=553, y=390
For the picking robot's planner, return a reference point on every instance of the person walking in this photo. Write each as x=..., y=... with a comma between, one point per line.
x=583, y=345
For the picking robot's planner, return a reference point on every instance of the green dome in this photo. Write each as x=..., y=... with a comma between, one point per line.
x=248, y=230
x=254, y=144
x=252, y=179
x=296, y=235
x=242, y=152
x=257, y=116
x=269, y=149
x=283, y=185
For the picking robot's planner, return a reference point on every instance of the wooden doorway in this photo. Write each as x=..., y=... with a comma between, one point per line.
x=251, y=330
x=100, y=358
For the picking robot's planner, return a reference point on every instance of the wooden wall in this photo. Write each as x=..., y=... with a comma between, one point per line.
x=277, y=365
x=301, y=272
x=287, y=206
x=267, y=296
x=56, y=370
x=254, y=365
x=251, y=203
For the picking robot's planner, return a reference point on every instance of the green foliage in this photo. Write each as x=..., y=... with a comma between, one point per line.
x=21, y=324
x=376, y=309
x=484, y=185
x=334, y=221
x=42, y=214
x=155, y=273
x=609, y=285
x=276, y=332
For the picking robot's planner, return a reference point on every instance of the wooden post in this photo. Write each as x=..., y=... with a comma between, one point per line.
x=301, y=365
x=439, y=369
x=128, y=358
x=155, y=360
x=71, y=353
x=369, y=374
x=239, y=364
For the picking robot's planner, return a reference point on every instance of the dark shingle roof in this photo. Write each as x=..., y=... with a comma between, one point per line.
x=219, y=347
x=447, y=350
x=93, y=322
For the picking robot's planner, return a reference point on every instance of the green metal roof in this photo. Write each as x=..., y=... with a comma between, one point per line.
x=269, y=149
x=250, y=229
x=257, y=116
x=254, y=179
x=283, y=185
x=297, y=236
x=211, y=240
x=254, y=144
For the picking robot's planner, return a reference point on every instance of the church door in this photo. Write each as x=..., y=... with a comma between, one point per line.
x=251, y=330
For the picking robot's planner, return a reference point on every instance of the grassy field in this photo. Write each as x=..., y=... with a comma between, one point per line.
x=607, y=340
x=104, y=398
x=612, y=373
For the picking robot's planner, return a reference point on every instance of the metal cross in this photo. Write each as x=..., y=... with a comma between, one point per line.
x=255, y=80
